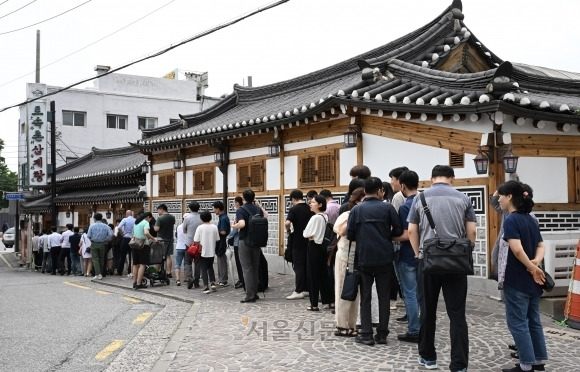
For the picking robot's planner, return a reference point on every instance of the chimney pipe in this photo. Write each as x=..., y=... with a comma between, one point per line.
x=249, y=81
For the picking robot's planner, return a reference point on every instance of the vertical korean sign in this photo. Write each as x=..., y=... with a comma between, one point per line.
x=37, y=133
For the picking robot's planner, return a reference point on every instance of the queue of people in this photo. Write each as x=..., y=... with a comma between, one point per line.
x=380, y=233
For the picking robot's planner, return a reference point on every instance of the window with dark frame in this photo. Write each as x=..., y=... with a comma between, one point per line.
x=147, y=123
x=251, y=175
x=203, y=180
x=73, y=118
x=167, y=184
x=116, y=122
x=317, y=169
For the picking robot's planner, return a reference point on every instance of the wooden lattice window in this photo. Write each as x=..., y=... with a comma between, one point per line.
x=167, y=184
x=251, y=176
x=203, y=180
x=456, y=160
x=317, y=169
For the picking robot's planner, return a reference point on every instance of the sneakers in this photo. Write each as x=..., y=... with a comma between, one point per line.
x=406, y=337
x=98, y=277
x=393, y=305
x=305, y=294
x=207, y=290
x=402, y=319
x=213, y=288
x=238, y=285
x=223, y=284
x=295, y=296
x=367, y=340
x=381, y=339
x=429, y=364
x=130, y=275
x=178, y=283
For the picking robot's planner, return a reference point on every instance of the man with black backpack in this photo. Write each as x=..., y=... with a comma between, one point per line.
x=253, y=228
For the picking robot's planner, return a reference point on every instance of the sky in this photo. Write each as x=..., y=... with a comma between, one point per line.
x=293, y=39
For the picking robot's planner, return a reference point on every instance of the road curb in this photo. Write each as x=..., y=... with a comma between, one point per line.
x=170, y=296
x=173, y=345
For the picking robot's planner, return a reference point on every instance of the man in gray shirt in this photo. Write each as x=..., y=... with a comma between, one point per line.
x=190, y=225
x=454, y=217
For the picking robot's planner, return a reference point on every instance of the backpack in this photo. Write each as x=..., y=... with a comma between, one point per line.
x=330, y=238
x=257, y=230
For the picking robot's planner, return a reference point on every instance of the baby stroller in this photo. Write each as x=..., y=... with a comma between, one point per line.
x=157, y=257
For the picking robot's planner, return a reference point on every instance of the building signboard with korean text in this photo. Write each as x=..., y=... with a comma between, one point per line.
x=37, y=133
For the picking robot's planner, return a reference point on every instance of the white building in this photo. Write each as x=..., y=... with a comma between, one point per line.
x=112, y=112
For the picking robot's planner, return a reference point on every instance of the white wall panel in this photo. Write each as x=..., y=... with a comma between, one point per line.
x=273, y=174
x=232, y=178
x=548, y=177
x=189, y=182
x=313, y=143
x=219, y=180
x=155, y=185
x=290, y=171
x=347, y=161
x=179, y=183
x=161, y=166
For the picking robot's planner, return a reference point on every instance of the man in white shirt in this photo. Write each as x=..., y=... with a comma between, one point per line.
x=54, y=245
x=65, y=249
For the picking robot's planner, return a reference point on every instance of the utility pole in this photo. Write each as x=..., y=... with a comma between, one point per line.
x=37, y=56
x=52, y=120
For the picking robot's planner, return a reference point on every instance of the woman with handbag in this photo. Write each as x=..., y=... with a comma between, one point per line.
x=346, y=311
x=85, y=246
x=316, y=255
x=142, y=235
x=523, y=276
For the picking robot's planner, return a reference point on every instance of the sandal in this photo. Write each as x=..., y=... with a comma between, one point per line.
x=343, y=332
x=311, y=308
x=352, y=332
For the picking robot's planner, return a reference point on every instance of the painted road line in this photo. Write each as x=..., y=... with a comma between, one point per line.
x=5, y=261
x=110, y=349
x=103, y=292
x=75, y=285
x=131, y=299
x=142, y=318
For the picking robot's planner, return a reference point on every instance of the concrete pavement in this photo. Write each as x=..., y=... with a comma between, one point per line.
x=218, y=333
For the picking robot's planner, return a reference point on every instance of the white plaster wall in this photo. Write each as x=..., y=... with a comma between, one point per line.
x=155, y=185
x=232, y=178
x=248, y=153
x=313, y=143
x=291, y=172
x=179, y=183
x=161, y=166
x=347, y=161
x=201, y=160
x=548, y=177
x=219, y=180
x=189, y=182
x=273, y=174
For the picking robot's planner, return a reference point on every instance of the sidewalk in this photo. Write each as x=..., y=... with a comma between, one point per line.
x=275, y=334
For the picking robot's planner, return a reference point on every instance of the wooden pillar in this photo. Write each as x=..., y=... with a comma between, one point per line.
x=494, y=219
x=282, y=206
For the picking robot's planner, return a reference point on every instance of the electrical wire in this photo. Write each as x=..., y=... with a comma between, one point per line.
x=4, y=2
x=88, y=45
x=14, y=11
x=198, y=36
x=48, y=19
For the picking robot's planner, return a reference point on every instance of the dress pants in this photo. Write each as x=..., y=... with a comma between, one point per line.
x=64, y=253
x=368, y=275
x=300, y=269
x=238, y=265
x=207, y=270
x=454, y=288
x=123, y=250
x=250, y=259
x=318, y=275
x=98, y=253
x=222, y=264
x=55, y=254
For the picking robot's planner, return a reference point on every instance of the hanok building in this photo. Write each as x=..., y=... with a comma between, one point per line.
x=434, y=96
x=106, y=181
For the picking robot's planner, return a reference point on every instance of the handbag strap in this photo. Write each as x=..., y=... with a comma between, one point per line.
x=427, y=212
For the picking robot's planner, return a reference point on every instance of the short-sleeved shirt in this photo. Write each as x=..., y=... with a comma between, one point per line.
x=242, y=214
x=74, y=240
x=65, y=238
x=127, y=225
x=406, y=253
x=524, y=227
x=450, y=209
x=207, y=234
x=299, y=215
x=166, y=222
x=139, y=230
x=190, y=224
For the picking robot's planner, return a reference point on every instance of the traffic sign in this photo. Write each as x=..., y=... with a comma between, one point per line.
x=15, y=196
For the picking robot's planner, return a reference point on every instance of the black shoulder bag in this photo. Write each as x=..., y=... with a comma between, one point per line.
x=445, y=255
x=351, y=282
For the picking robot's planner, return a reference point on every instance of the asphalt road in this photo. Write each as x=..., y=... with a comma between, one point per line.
x=60, y=323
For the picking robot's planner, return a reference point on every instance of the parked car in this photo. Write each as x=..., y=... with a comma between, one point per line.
x=8, y=238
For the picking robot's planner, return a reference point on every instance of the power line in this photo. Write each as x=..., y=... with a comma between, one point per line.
x=22, y=7
x=198, y=36
x=86, y=46
x=3, y=2
x=48, y=19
